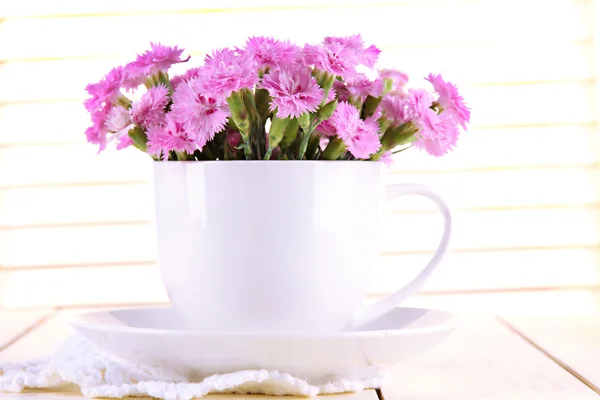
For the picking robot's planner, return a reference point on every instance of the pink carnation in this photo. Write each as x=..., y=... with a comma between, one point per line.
x=340, y=90
x=271, y=53
x=398, y=79
x=437, y=133
x=326, y=128
x=396, y=109
x=119, y=124
x=227, y=71
x=203, y=115
x=367, y=57
x=294, y=91
x=331, y=95
x=335, y=58
x=158, y=58
x=450, y=100
x=341, y=55
x=171, y=136
x=360, y=136
x=359, y=87
x=150, y=109
x=437, y=137
x=106, y=91
x=189, y=74
x=97, y=132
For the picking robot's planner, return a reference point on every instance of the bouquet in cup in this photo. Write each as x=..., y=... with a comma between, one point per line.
x=273, y=100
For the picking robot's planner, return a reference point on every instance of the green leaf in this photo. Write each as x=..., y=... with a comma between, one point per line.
x=399, y=136
x=326, y=111
x=335, y=148
x=304, y=121
x=262, y=100
x=325, y=80
x=371, y=104
x=241, y=117
x=139, y=137
x=290, y=134
x=276, y=133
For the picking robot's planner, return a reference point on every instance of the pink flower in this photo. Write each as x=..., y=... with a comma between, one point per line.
x=118, y=118
x=150, y=109
x=334, y=58
x=227, y=71
x=437, y=137
x=398, y=79
x=396, y=109
x=294, y=91
x=171, y=136
x=119, y=124
x=326, y=128
x=437, y=133
x=331, y=95
x=367, y=57
x=106, y=91
x=359, y=87
x=97, y=132
x=386, y=158
x=189, y=74
x=201, y=114
x=340, y=90
x=158, y=58
x=323, y=142
x=360, y=136
x=271, y=53
x=450, y=100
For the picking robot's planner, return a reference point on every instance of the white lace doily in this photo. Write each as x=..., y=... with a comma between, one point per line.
x=78, y=362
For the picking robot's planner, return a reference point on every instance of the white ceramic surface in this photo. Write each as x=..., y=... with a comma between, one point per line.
x=285, y=246
x=160, y=338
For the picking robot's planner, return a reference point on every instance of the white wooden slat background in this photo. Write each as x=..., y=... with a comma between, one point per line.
x=523, y=182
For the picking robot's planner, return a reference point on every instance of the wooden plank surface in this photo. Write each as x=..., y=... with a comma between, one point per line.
x=481, y=360
x=14, y=325
x=41, y=341
x=574, y=341
x=484, y=360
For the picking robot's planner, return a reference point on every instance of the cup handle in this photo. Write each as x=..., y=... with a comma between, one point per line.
x=373, y=311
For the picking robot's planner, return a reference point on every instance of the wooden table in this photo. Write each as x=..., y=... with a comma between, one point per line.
x=512, y=356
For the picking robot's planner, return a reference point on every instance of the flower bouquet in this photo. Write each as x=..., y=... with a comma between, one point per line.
x=289, y=228
x=273, y=100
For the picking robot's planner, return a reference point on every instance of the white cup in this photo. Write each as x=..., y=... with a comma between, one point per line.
x=276, y=246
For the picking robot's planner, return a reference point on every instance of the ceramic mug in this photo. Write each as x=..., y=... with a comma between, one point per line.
x=276, y=246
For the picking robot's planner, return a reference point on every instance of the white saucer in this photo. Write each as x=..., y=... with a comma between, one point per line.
x=157, y=337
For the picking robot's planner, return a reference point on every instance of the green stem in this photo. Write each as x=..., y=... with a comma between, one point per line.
x=313, y=145
x=268, y=154
x=401, y=150
x=305, y=139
